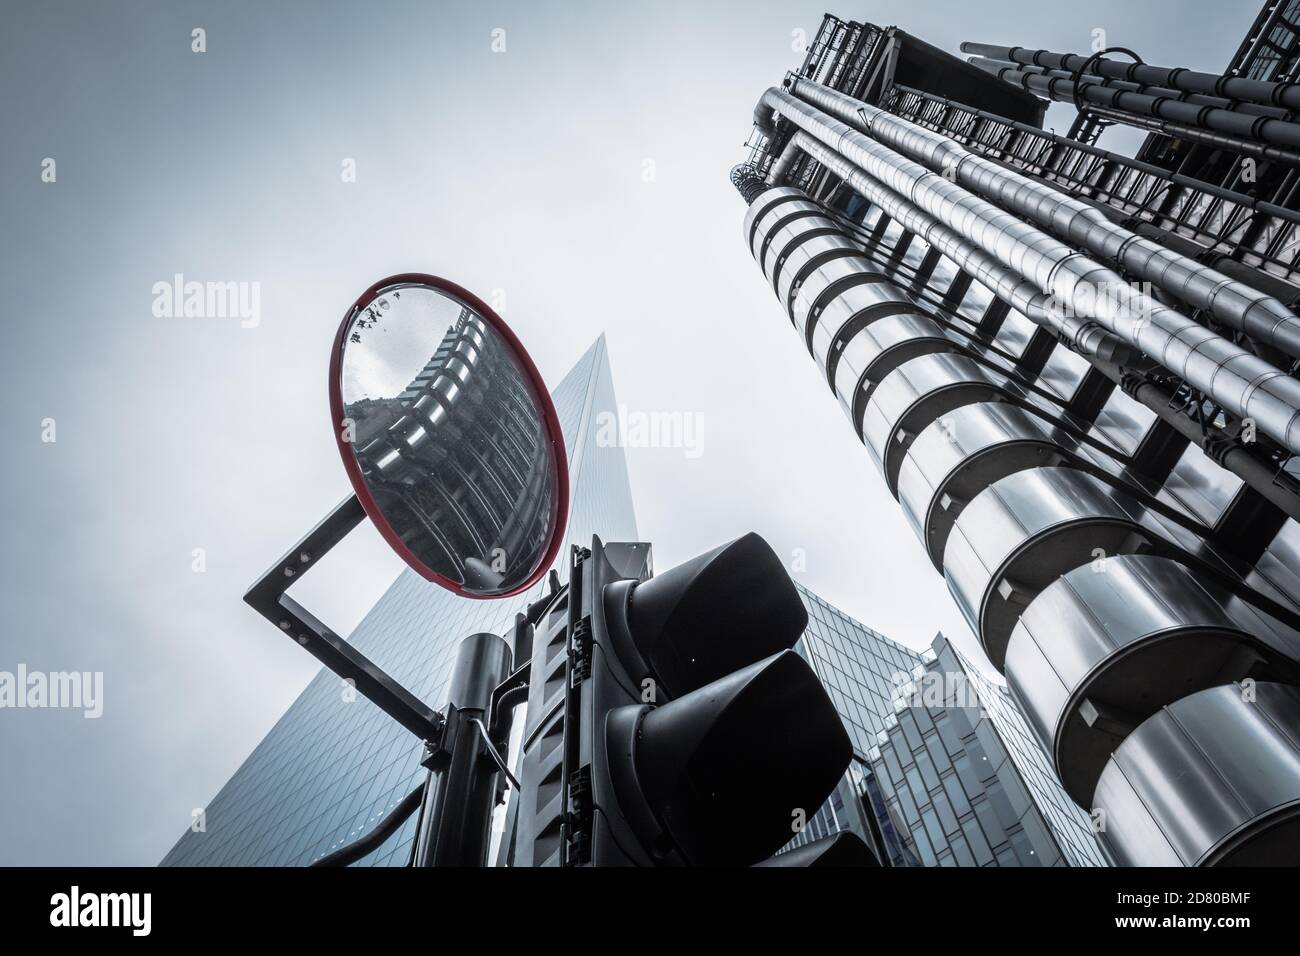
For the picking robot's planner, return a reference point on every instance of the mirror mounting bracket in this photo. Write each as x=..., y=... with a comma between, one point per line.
x=269, y=598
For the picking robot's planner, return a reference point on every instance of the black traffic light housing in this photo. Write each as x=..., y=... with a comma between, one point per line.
x=718, y=776
x=669, y=721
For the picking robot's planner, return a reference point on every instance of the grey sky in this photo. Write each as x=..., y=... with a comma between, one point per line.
x=521, y=171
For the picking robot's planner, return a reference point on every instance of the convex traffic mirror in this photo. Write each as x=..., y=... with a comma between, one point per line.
x=449, y=436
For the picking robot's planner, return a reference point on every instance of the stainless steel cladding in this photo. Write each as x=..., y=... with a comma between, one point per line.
x=1212, y=779
x=1026, y=530
x=1108, y=644
x=1142, y=601
x=957, y=457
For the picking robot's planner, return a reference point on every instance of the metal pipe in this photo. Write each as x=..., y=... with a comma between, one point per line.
x=1016, y=76
x=781, y=165
x=1230, y=301
x=1178, y=179
x=1286, y=95
x=456, y=819
x=1079, y=334
x=1265, y=128
x=1182, y=131
x=1271, y=482
x=1108, y=355
x=1089, y=79
x=1208, y=137
x=1238, y=381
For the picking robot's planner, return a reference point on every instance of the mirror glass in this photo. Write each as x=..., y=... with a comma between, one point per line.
x=448, y=439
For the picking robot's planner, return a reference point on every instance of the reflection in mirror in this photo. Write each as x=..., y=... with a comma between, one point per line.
x=451, y=442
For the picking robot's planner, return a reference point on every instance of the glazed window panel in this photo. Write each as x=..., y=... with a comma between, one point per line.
x=1062, y=373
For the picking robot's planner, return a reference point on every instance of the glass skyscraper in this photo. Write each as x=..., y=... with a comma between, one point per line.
x=946, y=770
x=959, y=779
x=334, y=764
x=859, y=668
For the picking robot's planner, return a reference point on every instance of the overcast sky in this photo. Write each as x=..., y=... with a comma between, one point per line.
x=578, y=179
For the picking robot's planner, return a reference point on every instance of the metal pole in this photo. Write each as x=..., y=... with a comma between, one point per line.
x=455, y=821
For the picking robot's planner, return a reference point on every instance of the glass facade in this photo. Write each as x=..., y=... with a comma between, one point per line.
x=334, y=764
x=961, y=780
x=946, y=770
x=859, y=668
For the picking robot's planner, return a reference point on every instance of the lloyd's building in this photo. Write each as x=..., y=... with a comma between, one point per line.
x=1076, y=372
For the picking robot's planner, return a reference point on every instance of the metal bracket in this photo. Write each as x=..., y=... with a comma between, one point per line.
x=267, y=596
x=437, y=749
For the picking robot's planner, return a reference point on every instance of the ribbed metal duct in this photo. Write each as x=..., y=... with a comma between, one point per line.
x=1286, y=95
x=857, y=323
x=1212, y=779
x=1108, y=644
x=1233, y=303
x=1241, y=383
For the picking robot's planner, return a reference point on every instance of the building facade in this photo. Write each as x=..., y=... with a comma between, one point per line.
x=335, y=764
x=1076, y=373
x=946, y=771
x=961, y=780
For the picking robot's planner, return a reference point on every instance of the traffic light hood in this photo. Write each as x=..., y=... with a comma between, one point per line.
x=713, y=614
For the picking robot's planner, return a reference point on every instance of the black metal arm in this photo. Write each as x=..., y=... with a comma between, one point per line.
x=269, y=599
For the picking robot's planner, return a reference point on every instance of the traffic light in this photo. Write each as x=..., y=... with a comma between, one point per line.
x=670, y=723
